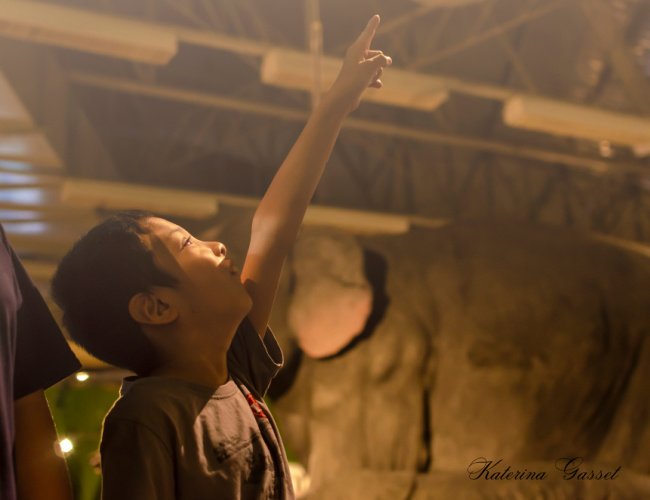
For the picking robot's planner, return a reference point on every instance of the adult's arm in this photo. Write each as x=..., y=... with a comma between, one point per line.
x=40, y=471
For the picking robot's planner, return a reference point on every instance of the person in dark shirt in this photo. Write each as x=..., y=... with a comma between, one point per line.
x=142, y=293
x=33, y=356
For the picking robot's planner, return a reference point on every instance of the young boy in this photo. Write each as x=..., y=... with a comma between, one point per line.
x=141, y=293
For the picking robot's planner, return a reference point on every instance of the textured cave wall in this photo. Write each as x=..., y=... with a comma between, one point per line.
x=518, y=343
x=506, y=342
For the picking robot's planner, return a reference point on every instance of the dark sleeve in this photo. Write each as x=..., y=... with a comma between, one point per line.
x=42, y=354
x=254, y=360
x=136, y=464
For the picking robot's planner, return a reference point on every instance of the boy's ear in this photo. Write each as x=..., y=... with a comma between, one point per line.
x=148, y=309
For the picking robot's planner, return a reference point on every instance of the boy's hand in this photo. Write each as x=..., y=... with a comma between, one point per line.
x=280, y=213
x=362, y=68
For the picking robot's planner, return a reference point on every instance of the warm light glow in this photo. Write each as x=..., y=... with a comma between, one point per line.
x=86, y=30
x=572, y=120
x=642, y=150
x=605, y=148
x=294, y=70
x=300, y=479
x=66, y=445
x=356, y=220
x=82, y=376
x=92, y=194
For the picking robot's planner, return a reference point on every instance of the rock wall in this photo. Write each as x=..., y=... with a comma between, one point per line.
x=505, y=342
x=409, y=357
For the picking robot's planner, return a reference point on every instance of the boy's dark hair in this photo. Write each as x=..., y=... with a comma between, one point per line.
x=94, y=284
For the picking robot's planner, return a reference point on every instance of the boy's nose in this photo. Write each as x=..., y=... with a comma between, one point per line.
x=219, y=249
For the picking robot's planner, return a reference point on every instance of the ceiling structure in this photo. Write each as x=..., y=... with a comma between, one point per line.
x=198, y=117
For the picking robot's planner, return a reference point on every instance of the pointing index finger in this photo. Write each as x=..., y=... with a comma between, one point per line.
x=368, y=33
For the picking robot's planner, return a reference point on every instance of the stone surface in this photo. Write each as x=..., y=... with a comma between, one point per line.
x=520, y=343
x=331, y=297
x=508, y=342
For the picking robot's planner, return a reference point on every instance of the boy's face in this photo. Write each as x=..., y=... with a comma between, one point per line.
x=209, y=287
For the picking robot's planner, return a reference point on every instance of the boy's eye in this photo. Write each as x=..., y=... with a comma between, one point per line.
x=187, y=241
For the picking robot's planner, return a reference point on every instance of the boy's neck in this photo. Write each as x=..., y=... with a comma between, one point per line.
x=195, y=358
x=196, y=354
x=202, y=370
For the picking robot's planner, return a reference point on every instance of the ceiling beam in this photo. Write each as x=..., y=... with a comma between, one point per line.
x=474, y=40
x=589, y=164
x=86, y=30
x=60, y=123
x=248, y=47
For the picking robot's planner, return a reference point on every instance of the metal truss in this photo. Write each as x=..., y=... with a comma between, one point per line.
x=399, y=168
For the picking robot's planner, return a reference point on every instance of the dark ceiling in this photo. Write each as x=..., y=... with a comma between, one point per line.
x=459, y=161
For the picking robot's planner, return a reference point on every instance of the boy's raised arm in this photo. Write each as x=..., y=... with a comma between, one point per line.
x=281, y=210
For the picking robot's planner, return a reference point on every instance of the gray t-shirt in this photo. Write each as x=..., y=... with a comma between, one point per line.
x=170, y=439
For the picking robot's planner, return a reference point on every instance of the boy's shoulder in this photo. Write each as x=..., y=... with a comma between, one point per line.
x=159, y=401
x=172, y=410
x=149, y=400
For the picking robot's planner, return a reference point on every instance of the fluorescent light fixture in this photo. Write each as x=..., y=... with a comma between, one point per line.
x=25, y=198
x=87, y=31
x=10, y=180
x=19, y=215
x=92, y=194
x=356, y=221
x=565, y=119
x=31, y=147
x=27, y=228
x=294, y=70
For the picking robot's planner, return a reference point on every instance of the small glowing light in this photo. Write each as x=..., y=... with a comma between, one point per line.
x=66, y=445
x=300, y=479
x=605, y=148
x=82, y=376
